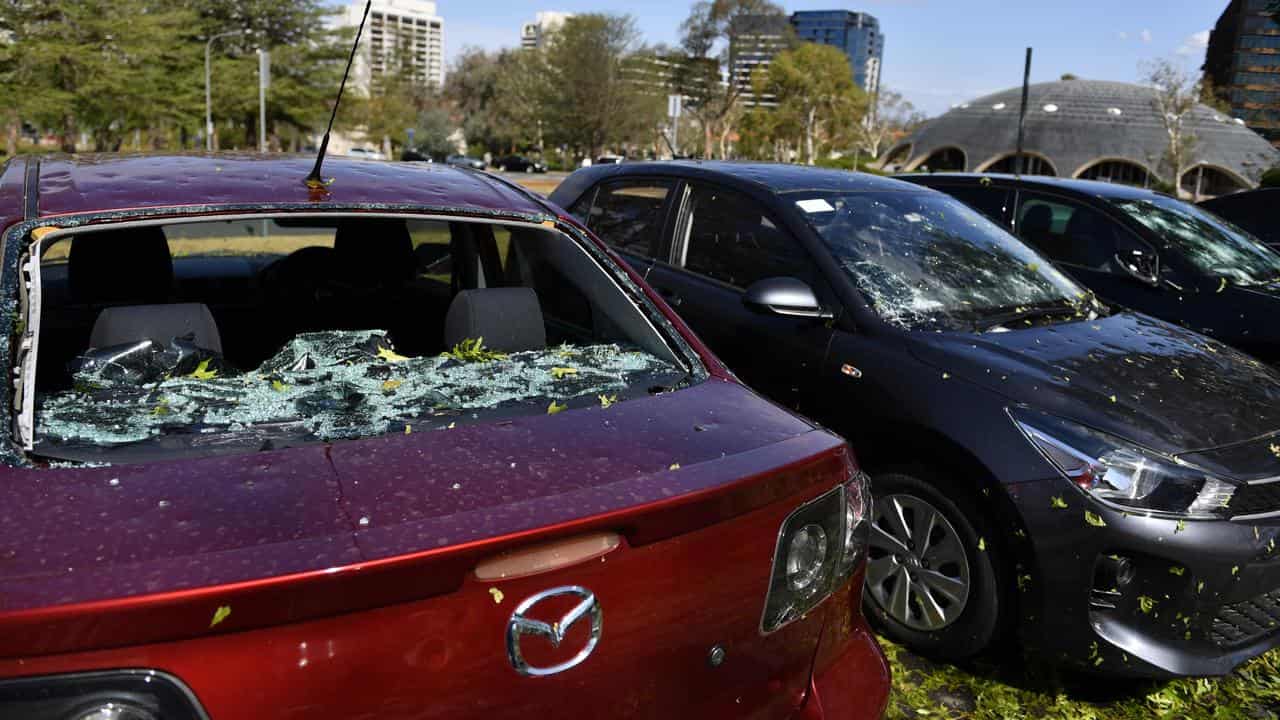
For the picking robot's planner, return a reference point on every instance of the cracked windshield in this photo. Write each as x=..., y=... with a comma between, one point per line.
x=925, y=261
x=281, y=331
x=1210, y=243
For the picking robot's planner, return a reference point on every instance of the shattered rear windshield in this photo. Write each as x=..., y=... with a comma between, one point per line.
x=926, y=261
x=207, y=338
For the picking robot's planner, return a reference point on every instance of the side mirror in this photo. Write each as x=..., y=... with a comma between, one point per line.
x=785, y=296
x=1140, y=265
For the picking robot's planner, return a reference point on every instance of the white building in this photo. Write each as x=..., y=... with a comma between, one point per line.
x=398, y=32
x=534, y=34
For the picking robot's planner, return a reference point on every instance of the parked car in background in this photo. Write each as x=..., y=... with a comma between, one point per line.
x=519, y=163
x=465, y=161
x=366, y=153
x=268, y=438
x=1100, y=480
x=1141, y=250
x=609, y=159
x=1256, y=211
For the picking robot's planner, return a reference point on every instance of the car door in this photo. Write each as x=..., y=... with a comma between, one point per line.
x=722, y=242
x=994, y=201
x=1093, y=248
x=630, y=215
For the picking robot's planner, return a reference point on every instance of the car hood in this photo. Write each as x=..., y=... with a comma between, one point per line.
x=1135, y=377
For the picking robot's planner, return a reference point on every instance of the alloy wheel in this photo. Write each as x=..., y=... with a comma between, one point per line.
x=917, y=570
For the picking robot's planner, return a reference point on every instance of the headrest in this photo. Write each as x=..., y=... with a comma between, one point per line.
x=509, y=319
x=374, y=251
x=1039, y=219
x=160, y=323
x=131, y=265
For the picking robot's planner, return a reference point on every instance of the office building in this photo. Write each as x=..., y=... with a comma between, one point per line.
x=1243, y=63
x=535, y=34
x=856, y=34
x=754, y=41
x=398, y=32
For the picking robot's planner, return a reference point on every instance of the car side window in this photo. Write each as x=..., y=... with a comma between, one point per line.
x=1074, y=234
x=990, y=201
x=629, y=215
x=731, y=240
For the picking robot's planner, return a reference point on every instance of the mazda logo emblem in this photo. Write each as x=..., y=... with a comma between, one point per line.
x=520, y=625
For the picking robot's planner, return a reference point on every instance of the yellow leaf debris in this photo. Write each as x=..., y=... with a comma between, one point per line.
x=220, y=614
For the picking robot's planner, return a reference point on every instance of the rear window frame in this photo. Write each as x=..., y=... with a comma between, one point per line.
x=19, y=292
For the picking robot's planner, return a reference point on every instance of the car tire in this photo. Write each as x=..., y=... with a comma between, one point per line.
x=912, y=589
x=528, y=169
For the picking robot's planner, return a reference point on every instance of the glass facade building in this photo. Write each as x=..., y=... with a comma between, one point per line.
x=856, y=34
x=1243, y=63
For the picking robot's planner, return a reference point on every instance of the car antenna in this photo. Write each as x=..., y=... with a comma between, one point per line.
x=314, y=180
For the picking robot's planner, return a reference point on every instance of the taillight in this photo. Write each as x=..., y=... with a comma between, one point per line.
x=819, y=547
x=113, y=695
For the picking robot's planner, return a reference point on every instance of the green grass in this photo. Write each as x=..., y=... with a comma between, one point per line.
x=987, y=690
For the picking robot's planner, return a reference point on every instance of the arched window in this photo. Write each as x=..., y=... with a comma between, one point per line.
x=1206, y=181
x=1033, y=165
x=897, y=157
x=1117, y=171
x=944, y=160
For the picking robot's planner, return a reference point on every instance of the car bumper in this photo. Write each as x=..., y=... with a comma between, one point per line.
x=1144, y=596
x=854, y=686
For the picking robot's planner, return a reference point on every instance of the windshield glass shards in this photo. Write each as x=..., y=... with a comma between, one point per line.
x=926, y=262
x=1213, y=245
x=322, y=386
x=199, y=338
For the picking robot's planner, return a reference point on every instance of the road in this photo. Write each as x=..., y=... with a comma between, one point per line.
x=542, y=183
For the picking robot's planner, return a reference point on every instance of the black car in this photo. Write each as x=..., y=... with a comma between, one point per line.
x=519, y=163
x=465, y=161
x=1141, y=250
x=1101, y=481
x=1257, y=211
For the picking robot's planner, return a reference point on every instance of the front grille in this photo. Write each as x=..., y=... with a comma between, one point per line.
x=1255, y=499
x=1246, y=622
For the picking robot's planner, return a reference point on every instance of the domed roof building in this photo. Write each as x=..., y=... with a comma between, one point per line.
x=1087, y=129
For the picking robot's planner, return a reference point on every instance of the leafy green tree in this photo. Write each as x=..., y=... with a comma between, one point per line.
x=471, y=88
x=523, y=97
x=592, y=102
x=104, y=68
x=308, y=56
x=814, y=89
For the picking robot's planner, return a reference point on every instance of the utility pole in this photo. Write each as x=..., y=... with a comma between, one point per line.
x=1019, y=162
x=208, y=93
x=264, y=78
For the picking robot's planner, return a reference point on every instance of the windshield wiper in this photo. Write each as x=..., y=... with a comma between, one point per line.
x=1026, y=314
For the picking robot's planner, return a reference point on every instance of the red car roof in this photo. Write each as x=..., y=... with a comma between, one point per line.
x=94, y=183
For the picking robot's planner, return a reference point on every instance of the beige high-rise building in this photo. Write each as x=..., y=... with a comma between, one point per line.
x=398, y=32
x=534, y=34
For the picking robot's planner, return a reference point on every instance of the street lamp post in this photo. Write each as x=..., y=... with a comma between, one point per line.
x=208, y=95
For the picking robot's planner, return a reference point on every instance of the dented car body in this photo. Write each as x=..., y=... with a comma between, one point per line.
x=1099, y=481
x=410, y=446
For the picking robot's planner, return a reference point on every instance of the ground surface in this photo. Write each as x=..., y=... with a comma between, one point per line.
x=991, y=691
x=987, y=691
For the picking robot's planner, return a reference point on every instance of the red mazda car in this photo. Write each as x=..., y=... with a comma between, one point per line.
x=413, y=444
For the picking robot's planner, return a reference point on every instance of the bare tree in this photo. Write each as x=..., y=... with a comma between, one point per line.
x=1175, y=97
x=707, y=41
x=889, y=117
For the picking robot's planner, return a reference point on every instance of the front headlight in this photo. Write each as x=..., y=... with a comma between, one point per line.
x=1122, y=474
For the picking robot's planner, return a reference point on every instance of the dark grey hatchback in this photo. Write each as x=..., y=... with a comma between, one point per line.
x=1104, y=483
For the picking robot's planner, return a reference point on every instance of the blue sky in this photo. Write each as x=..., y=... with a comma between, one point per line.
x=937, y=52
